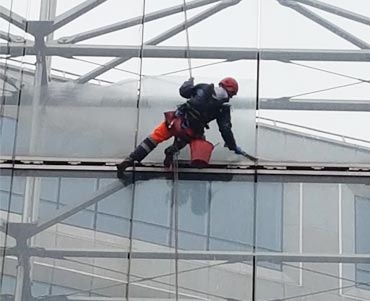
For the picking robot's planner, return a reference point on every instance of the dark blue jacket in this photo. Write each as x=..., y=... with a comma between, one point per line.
x=201, y=108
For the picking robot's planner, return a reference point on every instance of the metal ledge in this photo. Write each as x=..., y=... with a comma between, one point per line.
x=195, y=255
x=150, y=51
x=274, y=172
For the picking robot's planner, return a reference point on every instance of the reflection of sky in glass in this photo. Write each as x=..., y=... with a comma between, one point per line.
x=266, y=24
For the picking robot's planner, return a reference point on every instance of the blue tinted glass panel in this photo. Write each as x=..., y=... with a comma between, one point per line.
x=7, y=133
x=7, y=284
x=362, y=238
x=269, y=216
x=152, y=206
x=40, y=289
x=193, y=200
x=49, y=189
x=75, y=189
x=113, y=224
x=16, y=197
x=119, y=203
x=231, y=219
x=46, y=208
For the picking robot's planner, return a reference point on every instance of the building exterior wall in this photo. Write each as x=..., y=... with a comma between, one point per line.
x=85, y=83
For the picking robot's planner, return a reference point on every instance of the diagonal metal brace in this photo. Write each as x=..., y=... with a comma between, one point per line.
x=11, y=37
x=13, y=18
x=75, y=12
x=158, y=39
x=325, y=23
x=337, y=11
x=133, y=21
x=72, y=209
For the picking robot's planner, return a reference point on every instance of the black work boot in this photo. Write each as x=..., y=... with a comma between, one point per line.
x=121, y=167
x=140, y=152
x=169, y=152
x=168, y=160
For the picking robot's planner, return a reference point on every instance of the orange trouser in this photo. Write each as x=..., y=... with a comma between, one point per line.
x=161, y=133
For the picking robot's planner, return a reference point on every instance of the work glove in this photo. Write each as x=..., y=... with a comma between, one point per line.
x=239, y=151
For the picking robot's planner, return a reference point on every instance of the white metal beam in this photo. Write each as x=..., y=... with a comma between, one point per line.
x=75, y=12
x=9, y=80
x=286, y=103
x=97, y=298
x=336, y=11
x=326, y=24
x=279, y=257
x=228, y=53
x=158, y=39
x=72, y=209
x=11, y=37
x=133, y=21
x=12, y=17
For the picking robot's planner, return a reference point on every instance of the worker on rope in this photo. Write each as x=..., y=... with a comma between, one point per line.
x=205, y=103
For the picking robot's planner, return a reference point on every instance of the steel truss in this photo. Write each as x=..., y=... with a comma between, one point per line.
x=66, y=47
x=22, y=232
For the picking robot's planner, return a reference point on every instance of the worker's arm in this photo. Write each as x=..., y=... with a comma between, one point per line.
x=224, y=125
x=187, y=88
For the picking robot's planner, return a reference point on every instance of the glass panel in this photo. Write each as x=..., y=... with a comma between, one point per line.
x=269, y=216
x=7, y=285
x=292, y=218
x=311, y=79
x=362, y=241
x=95, y=136
x=12, y=192
x=75, y=189
x=317, y=219
x=152, y=211
x=99, y=86
x=81, y=272
x=7, y=134
x=194, y=202
x=231, y=208
x=77, y=110
x=215, y=279
x=303, y=280
x=80, y=277
x=215, y=217
x=100, y=222
x=162, y=77
x=151, y=234
x=114, y=212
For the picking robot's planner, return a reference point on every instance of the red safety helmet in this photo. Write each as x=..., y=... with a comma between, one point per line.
x=230, y=85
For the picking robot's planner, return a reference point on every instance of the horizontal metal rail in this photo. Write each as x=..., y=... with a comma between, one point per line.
x=340, y=136
x=153, y=51
x=195, y=255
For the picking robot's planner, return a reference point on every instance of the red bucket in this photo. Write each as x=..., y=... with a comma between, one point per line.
x=200, y=151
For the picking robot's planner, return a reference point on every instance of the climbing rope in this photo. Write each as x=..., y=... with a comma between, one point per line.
x=175, y=166
x=176, y=219
x=187, y=38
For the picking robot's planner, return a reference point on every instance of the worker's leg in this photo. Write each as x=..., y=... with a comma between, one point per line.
x=177, y=145
x=159, y=134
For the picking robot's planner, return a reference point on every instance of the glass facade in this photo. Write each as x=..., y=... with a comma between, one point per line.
x=82, y=83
